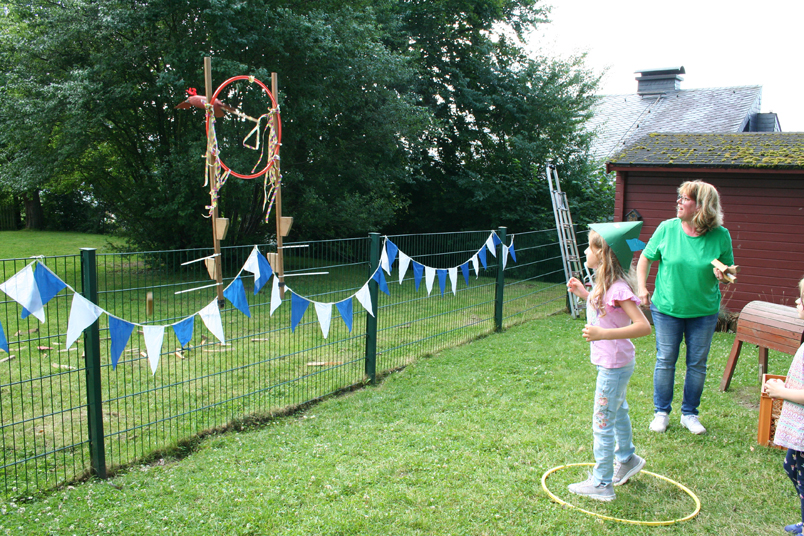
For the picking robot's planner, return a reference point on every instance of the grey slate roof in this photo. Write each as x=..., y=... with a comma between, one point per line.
x=766, y=150
x=619, y=119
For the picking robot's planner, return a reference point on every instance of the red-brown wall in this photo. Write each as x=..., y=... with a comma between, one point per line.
x=763, y=211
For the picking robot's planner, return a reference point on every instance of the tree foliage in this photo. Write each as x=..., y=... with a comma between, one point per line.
x=398, y=115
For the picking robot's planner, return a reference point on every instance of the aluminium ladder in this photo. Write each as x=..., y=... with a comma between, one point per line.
x=571, y=257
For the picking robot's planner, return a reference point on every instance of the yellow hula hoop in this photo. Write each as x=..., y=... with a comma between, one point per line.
x=631, y=521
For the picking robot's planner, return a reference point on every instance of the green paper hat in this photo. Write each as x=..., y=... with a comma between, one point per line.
x=622, y=237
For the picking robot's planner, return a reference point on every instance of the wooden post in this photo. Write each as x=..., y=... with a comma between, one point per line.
x=280, y=258
x=211, y=168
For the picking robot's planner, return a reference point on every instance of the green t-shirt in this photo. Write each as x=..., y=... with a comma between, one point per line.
x=686, y=286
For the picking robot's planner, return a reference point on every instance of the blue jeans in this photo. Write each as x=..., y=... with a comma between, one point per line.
x=697, y=333
x=611, y=425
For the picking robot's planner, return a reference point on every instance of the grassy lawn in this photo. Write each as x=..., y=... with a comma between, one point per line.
x=23, y=244
x=453, y=444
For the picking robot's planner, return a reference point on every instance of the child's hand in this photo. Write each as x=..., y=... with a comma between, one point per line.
x=773, y=388
x=575, y=286
x=592, y=333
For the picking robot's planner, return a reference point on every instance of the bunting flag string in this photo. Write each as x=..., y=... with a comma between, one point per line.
x=35, y=285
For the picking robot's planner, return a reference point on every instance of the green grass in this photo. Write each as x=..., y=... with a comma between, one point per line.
x=452, y=444
x=23, y=244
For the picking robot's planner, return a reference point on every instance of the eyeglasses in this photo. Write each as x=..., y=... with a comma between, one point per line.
x=683, y=198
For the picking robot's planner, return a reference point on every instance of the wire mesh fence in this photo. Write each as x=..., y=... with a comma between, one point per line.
x=267, y=365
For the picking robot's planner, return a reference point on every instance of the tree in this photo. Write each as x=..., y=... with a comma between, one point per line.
x=91, y=88
x=501, y=115
x=403, y=115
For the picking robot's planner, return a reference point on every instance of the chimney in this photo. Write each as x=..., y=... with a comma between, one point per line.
x=658, y=81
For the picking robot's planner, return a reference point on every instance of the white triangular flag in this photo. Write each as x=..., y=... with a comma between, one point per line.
x=324, y=313
x=253, y=264
x=82, y=314
x=364, y=297
x=453, y=278
x=154, y=335
x=505, y=256
x=429, y=276
x=490, y=245
x=384, y=261
x=475, y=264
x=211, y=315
x=21, y=288
x=404, y=262
x=276, y=296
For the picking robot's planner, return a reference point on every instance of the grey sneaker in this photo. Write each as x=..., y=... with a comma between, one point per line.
x=624, y=471
x=659, y=422
x=587, y=488
x=691, y=423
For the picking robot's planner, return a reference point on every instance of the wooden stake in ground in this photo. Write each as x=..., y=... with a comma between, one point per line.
x=282, y=223
x=211, y=171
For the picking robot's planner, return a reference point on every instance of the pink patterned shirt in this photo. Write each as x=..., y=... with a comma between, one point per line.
x=790, y=426
x=617, y=353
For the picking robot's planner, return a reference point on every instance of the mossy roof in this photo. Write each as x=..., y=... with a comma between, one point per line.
x=767, y=150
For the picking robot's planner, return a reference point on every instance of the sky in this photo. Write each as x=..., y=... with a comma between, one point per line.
x=719, y=43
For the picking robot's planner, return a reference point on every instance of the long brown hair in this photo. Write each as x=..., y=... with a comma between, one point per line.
x=707, y=200
x=607, y=273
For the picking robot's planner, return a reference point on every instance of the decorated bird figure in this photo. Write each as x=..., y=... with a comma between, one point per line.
x=194, y=99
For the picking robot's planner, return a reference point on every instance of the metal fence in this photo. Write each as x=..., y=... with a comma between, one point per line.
x=68, y=413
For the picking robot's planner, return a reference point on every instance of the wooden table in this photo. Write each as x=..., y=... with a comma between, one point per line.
x=768, y=325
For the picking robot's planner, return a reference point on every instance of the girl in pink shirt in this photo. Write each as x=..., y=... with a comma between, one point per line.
x=613, y=317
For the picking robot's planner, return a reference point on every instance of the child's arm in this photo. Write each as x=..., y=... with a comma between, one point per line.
x=576, y=287
x=776, y=389
x=639, y=325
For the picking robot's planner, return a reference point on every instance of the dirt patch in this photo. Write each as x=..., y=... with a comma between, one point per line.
x=747, y=396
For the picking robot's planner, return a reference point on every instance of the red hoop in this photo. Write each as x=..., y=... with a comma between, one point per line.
x=278, y=127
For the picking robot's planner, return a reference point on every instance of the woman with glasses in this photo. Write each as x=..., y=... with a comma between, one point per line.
x=686, y=297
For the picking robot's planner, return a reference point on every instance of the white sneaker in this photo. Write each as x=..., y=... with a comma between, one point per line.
x=691, y=423
x=660, y=422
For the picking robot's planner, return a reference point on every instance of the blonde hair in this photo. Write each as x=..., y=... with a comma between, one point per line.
x=609, y=270
x=801, y=287
x=707, y=200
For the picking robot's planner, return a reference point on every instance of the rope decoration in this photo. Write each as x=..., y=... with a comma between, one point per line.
x=218, y=172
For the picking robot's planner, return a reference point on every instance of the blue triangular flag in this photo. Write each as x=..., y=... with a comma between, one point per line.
x=48, y=284
x=120, y=333
x=391, y=250
x=482, y=255
x=3, y=340
x=465, y=272
x=345, y=308
x=511, y=250
x=418, y=270
x=298, y=306
x=634, y=243
x=380, y=278
x=442, y=279
x=236, y=293
x=495, y=239
x=184, y=330
x=265, y=273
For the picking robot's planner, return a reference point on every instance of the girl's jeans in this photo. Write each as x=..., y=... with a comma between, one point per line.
x=794, y=467
x=611, y=426
x=697, y=333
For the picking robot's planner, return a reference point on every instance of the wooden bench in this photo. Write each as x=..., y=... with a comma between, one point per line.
x=768, y=325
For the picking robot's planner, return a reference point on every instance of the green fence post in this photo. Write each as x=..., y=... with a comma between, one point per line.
x=500, y=286
x=371, y=321
x=97, y=450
